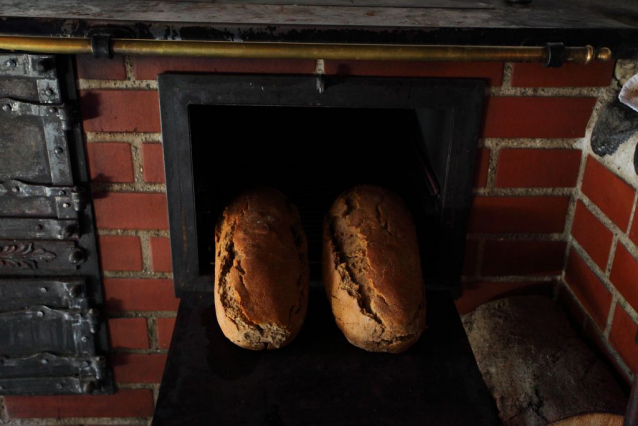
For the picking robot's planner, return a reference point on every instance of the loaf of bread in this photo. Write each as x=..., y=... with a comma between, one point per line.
x=372, y=270
x=261, y=270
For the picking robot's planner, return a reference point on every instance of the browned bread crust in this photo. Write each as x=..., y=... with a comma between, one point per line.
x=372, y=270
x=261, y=270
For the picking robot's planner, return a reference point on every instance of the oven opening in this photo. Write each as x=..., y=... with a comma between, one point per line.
x=224, y=134
x=312, y=155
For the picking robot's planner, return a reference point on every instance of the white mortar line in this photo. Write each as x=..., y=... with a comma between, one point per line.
x=86, y=84
x=130, y=137
x=492, y=164
x=138, y=186
x=156, y=388
x=531, y=92
x=137, y=274
x=533, y=143
x=132, y=351
x=135, y=385
x=128, y=65
x=610, y=317
x=141, y=314
x=522, y=192
x=138, y=164
x=508, y=71
x=612, y=255
x=147, y=257
x=134, y=232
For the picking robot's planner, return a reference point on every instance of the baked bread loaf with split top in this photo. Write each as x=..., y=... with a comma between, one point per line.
x=372, y=270
x=261, y=270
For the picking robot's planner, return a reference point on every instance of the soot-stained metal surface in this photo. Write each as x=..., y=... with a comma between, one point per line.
x=321, y=379
x=21, y=293
x=49, y=372
x=52, y=335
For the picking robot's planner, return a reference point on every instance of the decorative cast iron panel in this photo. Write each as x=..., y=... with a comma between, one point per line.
x=22, y=255
x=52, y=336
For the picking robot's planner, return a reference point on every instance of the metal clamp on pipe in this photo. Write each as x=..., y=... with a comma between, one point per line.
x=270, y=50
x=101, y=45
x=555, y=55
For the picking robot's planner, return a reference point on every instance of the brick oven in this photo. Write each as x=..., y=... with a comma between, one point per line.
x=549, y=215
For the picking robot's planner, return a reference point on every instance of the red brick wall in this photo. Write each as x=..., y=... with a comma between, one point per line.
x=601, y=274
x=527, y=183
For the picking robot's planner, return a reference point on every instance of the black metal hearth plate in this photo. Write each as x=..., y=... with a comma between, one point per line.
x=321, y=379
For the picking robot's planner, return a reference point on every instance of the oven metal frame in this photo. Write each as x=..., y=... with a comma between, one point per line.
x=453, y=156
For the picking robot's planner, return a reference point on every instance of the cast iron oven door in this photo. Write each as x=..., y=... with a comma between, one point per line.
x=52, y=336
x=225, y=133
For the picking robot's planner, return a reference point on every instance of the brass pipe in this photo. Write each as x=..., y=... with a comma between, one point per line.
x=66, y=46
x=268, y=50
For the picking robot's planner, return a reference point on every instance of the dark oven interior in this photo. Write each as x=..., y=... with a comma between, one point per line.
x=312, y=155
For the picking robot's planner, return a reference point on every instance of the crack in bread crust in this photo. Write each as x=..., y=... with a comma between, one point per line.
x=258, y=335
x=225, y=293
x=352, y=268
